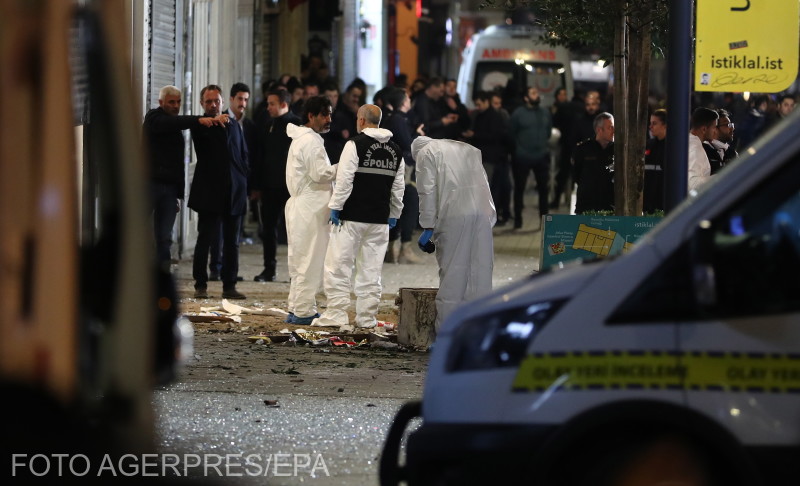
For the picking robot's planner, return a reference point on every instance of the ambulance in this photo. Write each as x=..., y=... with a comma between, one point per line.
x=511, y=58
x=676, y=363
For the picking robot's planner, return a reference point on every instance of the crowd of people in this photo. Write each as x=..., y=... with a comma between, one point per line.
x=352, y=182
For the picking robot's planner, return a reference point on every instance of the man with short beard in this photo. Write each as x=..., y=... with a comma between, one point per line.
x=309, y=178
x=531, y=126
x=720, y=150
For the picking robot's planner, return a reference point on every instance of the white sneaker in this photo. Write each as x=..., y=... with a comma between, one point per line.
x=323, y=322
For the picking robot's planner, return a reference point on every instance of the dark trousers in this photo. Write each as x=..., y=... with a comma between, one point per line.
x=208, y=230
x=499, y=175
x=215, y=264
x=563, y=175
x=541, y=171
x=408, y=218
x=165, y=209
x=271, y=209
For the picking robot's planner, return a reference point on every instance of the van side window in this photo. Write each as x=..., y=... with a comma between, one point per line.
x=746, y=262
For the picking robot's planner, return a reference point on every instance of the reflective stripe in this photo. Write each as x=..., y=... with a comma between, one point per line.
x=659, y=370
x=652, y=167
x=372, y=170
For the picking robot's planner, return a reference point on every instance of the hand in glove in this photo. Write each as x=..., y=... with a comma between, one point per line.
x=392, y=222
x=425, y=243
x=334, y=220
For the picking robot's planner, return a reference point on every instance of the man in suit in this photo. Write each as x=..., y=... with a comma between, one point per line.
x=218, y=194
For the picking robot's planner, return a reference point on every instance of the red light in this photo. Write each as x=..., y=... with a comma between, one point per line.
x=419, y=9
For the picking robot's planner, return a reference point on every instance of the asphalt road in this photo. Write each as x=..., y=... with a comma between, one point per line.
x=288, y=415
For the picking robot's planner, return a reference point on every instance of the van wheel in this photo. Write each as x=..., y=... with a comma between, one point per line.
x=666, y=461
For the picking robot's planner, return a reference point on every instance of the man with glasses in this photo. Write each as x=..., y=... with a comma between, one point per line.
x=721, y=150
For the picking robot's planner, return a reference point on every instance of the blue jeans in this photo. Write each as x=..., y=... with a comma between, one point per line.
x=164, y=200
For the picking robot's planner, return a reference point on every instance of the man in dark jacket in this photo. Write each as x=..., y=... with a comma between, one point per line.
x=593, y=161
x=490, y=134
x=653, y=193
x=429, y=110
x=268, y=180
x=218, y=194
x=162, y=129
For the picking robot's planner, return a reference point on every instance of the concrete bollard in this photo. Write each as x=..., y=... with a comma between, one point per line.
x=417, y=323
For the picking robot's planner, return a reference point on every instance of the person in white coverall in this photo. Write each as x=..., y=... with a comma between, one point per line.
x=457, y=212
x=309, y=178
x=367, y=200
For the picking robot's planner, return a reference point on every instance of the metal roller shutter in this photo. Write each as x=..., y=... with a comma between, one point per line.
x=161, y=59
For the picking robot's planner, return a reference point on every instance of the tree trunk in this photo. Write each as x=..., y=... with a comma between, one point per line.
x=620, y=106
x=631, y=90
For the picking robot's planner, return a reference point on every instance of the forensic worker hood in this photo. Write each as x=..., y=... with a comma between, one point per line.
x=418, y=144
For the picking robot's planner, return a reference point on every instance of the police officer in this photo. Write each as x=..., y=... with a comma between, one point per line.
x=366, y=202
x=593, y=161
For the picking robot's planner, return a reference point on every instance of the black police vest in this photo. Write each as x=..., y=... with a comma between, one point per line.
x=378, y=162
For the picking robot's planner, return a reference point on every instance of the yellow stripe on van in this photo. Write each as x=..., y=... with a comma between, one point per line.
x=660, y=370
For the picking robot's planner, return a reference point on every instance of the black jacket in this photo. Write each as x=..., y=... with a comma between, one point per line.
x=165, y=145
x=220, y=177
x=269, y=172
x=653, y=192
x=491, y=136
x=592, y=166
x=403, y=133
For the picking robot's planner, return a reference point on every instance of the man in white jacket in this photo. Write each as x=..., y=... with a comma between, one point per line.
x=367, y=200
x=703, y=128
x=456, y=211
x=309, y=178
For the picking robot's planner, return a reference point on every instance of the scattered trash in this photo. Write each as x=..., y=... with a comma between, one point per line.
x=384, y=345
x=296, y=381
x=261, y=340
x=212, y=317
x=387, y=326
x=271, y=403
x=340, y=390
x=370, y=404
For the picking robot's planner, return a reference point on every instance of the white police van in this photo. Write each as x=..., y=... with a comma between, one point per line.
x=511, y=58
x=677, y=363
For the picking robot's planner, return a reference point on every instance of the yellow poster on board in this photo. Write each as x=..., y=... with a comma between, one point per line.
x=746, y=45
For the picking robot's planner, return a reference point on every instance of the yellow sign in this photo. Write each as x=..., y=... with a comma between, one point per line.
x=746, y=45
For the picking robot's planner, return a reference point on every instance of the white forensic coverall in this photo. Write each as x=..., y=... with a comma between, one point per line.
x=454, y=200
x=357, y=243
x=309, y=177
x=699, y=166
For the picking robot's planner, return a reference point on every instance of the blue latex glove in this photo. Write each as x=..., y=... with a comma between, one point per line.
x=424, y=239
x=334, y=220
x=392, y=222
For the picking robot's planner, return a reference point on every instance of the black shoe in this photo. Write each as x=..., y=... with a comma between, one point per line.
x=213, y=276
x=554, y=204
x=239, y=278
x=500, y=222
x=233, y=294
x=265, y=276
x=200, y=293
x=518, y=223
